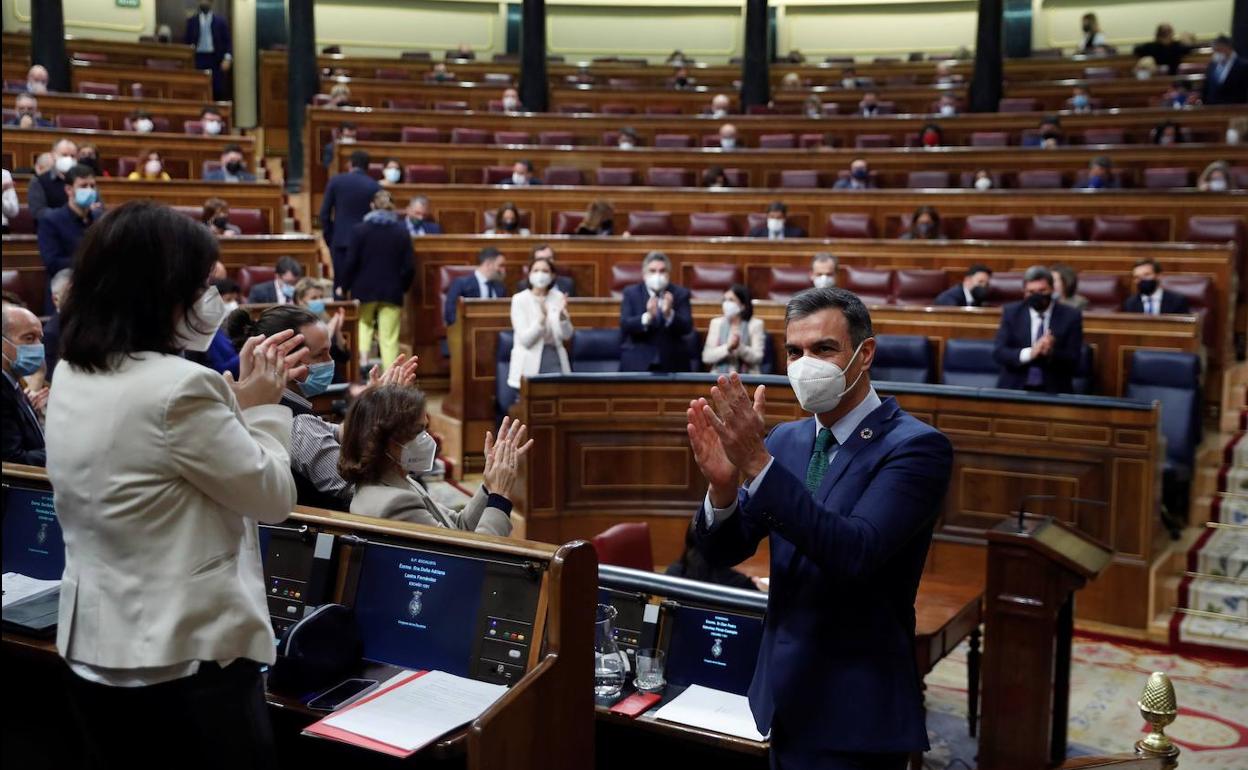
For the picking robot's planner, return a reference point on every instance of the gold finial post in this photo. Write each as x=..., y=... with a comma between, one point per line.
x=1159, y=708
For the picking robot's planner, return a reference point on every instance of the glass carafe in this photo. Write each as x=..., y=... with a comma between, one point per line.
x=610, y=665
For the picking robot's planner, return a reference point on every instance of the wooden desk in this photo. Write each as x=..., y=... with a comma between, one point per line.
x=190, y=84
x=113, y=110
x=612, y=449
x=133, y=53
x=946, y=611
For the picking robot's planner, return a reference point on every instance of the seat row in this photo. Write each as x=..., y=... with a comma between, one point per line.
x=94, y=123
x=249, y=221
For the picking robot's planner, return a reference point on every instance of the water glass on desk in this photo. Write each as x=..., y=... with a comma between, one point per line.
x=649, y=671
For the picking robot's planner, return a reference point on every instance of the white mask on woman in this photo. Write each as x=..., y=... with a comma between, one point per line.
x=209, y=311
x=983, y=183
x=392, y=175
x=152, y=168
x=144, y=126
x=732, y=309
x=539, y=279
x=418, y=454
x=819, y=384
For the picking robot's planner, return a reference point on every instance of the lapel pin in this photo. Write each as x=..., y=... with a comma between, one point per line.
x=865, y=434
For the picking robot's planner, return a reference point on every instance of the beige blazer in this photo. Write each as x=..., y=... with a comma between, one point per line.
x=158, y=481
x=749, y=353
x=398, y=497
x=533, y=331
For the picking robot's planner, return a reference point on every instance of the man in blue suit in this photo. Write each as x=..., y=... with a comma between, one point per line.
x=1226, y=77
x=486, y=281
x=848, y=499
x=655, y=316
x=210, y=35
x=1039, y=341
x=348, y=197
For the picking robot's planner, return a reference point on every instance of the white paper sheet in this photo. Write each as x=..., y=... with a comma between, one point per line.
x=18, y=586
x=419, y=712
x=722, y=712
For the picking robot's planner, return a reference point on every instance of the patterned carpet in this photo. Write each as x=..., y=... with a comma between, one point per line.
x=1106, y=681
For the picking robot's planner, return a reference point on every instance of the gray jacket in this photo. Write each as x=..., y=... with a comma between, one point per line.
x=397, y=497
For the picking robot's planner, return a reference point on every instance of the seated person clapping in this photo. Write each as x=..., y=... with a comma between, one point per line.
x=736, y=340
x=151, y=168
x=216, y=215
x=386, y=446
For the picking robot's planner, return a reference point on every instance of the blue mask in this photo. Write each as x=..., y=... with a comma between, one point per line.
x=29, y=359
x=1080, y=101
x=316, y=306
x=288, y=290
x=320, y=375
x=84, y=197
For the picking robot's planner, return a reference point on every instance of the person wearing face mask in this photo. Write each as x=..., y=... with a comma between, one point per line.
x=210, y=35
x=386, y=447
x=62, y=229
x=947, y=107
x=931, y=136
x=655, y=317
x=37, y=79
x=924, y=226
x=22, y=436
x=1149, y=297
x=507, y=221
x=813, y=106
x=52, y=327
x=311, y=293
x=141, y=122
x=26, y=107
x=216, y=215
x=858, y=178
x=1048, y=134
x=823, y=270
x=377, y=272
x=522, y=174
x=1179, y=96
x=486, y=282
x=418, y=221
x=728, y=137
x=348, y=197
x=1226, y=77
x=47, y=190
x=1100, y=174
x=1039, y=341
x=153, y=168
x=511, y=101
x=599, y=219
x=211, y=121
x=347, y=134
x=546, y=253
x=162, y=619
x=971, y=292
x=848, y=499
x=1166, y=133
x=89, y=156
x=540, y=325
x=715, y=178
x=627, y=139
x=1080, y=101
x=1093, y=41
x=869, y=107
x=1145, y=68
x=280, y=290
x=1236, y=130
x=233, y=167
x=849, y=79
x=1215, y=178
x=720, y=106
x=1066, y=287
x=391, y=173
x=777, y=226
x=736, y=340
x=983, y=180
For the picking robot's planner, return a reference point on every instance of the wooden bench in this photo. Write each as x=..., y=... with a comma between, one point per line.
x=113, y=110
x=137, y=54
x=192, y=84
x=184, y=154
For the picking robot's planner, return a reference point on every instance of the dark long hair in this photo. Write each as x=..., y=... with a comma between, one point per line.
x=239, y=325
x=742, y=293
x=138, y=270
x=380, y=415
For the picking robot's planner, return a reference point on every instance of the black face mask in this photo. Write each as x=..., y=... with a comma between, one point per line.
x=91, y=163
x=1087, y=27
x=1039, y=302
x=234, y=167
x=220, y=222
x=511, y=225
x=925, y=229
x=979, y=294
x=1147, y=286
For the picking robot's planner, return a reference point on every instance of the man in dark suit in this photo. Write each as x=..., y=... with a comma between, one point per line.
x=348, y=197
x=655, y=316
x=1149, y=297
x=27, y=114
x=564, y=283
x=210, y=36
x=971, y=292
x=280, y=290
x=1039, y=341
x=232, y=167
x=418, y=221
x=777, y=227
x=1226, y=78
x=63, y=228
x=485, y=282
x=848, y=499
x=22, y=434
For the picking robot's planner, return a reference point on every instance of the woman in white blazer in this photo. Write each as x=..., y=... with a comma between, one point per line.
x=386, y=447
x=736, y=340
x=540, y=325
x=160, y=469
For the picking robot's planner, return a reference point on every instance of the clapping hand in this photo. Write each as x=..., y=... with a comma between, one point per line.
x=668, y=302
x=734, y=341
x=502, y=456
x=401, y=372
x=652, y=307
x=1044, y=345
x=38, y=399
x=739, y=421
x=264, y=367
x=335, y=328
x=558, y=304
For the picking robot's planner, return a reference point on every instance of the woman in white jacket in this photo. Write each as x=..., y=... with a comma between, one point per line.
x=539, y=320
x=160, y=469
x=736, y=340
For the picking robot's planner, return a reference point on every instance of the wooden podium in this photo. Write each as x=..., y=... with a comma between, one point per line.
x=1034, y=568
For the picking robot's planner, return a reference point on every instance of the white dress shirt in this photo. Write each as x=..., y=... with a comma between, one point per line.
x=483, y=286
x=842, y=430
x=1025, y=355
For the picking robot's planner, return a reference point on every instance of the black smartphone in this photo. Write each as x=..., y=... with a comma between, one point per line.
x=341, y=694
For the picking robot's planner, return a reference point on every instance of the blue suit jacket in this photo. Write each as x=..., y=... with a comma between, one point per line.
x=218, y=175
x=466, y=286
x=262, y=294
x=348, y=196
x=1014, y=334
x=220, y=35
x=836, y=666
x=658, y=343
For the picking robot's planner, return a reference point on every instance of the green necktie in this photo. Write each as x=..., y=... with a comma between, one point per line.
x=819, y=459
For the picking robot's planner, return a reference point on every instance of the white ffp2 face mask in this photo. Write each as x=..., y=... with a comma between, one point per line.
x=824, y=281
x=195, y=334
x=418, y=454
x=819, y=384
x=656, y=282
x=539, y=279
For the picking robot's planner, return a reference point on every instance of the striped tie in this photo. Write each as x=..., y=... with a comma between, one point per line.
x=819, y=459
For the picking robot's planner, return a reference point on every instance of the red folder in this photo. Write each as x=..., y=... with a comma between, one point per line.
x=322, y=730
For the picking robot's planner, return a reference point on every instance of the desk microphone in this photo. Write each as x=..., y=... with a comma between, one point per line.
x=1084, y=500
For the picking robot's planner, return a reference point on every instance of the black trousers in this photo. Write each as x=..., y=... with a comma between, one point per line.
x=216, y=718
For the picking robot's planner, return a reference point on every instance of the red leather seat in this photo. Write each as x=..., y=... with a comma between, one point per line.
x=419, y=173
x=669, y=177
x=375, y=170
x=158, y=124
x=784, y=282
x=799, y=179
x=710, y=140
x=928, y=179
x=1220, y=229
x=618, y=109
x=809, y=141
x=709, y=280
x=572, y=108
x=662, y=109
x=737, y=177
x=126, y=165
x=511, y=137
x=1118, y=227
x=390, y=73
x=496, y=175
x=403, y=103
x=29, y=285
x=1055, y=227
x=1039, y=179
x=650, y=223
x=446, y=276
x=192, y=127
x=556, y=138
x=567, y=175
x=100, y=89
x=249, y=221
x=990, y=139
x=615, y=177
x=566, y=222
x=1018, y=104
x=91, y=122
x=874, y=286
x=1005, y=286
x=711, y=224
x=420, y=134
x=913, y=286
x=1166, y=178
x=451, y=106
x=252, y=275
x=526, y=219
x=673, y=140
x=470, y=136
x=777, y=141
x=997, y=227
x=850, y=225
x=1104, y=136
x=625, y=545
x=623, y=275
x=1104, y=291
x=162, y=64
x=1200, y=296
x=23, y=223
x=873, y=140
x=1100, y=73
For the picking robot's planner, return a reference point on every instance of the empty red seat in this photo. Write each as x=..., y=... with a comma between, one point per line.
x=673, y=140
x=618, y=109
x=1104, y=136
x=1200, y=297
x=662, y=109
x=625, y=545
x=808, y=141
x=799, y=179
x=1166, y=178
x=650, y=223
x=990, y=139
x=874, y=286
x=850, y=225
x=420, y=134
x=253, y=275
x=709, y=280
x=1004, y=286
x=784, y=282
x=996, y=227
x=1103, y=291
x=1018, y=104
x=566, y=222
x=565, y=175
x=928, y=179
x=402, y=103
x=390, y=73
x=29, y=285
x=470, y=136
x=737, y=177
x=1055, y=227
x=78, y=121
x=99, y=89
x=913, y=286
x=451, y=106
x=249, y=221
x=125, y=165
x=615, y=177
x=572, y=108
x=623, y=275
x=711, y=224
x=556, y=138
x=23, y=224
x=162, y=64
x=873, y=140
x=1118, y=227
x=777, y=141
x=496, y=175
x=669, y=177
x=418, y=173
x=1040, y=179
x=512, y=137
